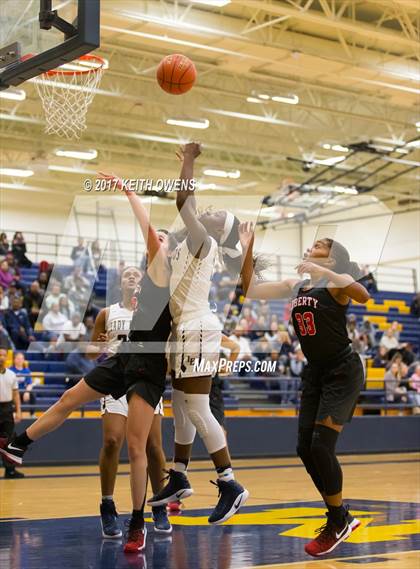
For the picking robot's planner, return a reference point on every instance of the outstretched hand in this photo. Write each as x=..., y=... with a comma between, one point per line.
x=117, y=182
x=192, y=150
x=246, y=234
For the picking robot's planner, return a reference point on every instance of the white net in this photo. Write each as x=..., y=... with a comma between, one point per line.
x=66, y=96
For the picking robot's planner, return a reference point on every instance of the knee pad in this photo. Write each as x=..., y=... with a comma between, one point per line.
x=323, y=444
x=198, y=408
x=184, y=429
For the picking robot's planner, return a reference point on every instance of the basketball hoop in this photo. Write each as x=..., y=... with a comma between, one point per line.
x=67, y=92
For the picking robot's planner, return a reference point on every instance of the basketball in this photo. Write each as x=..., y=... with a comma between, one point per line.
x=176, y=74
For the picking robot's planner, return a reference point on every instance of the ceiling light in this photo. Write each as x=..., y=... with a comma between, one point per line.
x=258, y=118
x=418, y=124
x=291, y=100
x=70, y=170
x=339, y=148
x=175, y=23
x=330, y=161
x=79, y=154
x=413, y=144
x=13, y=94
x=202, y=186
x=17, y=172
x=234, y=174
x=254, y=100
x=326, y=146
x=216, y=3
x=176, y=41
x=264, y=97
x=201, y=124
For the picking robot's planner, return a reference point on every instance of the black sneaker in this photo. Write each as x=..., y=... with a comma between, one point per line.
x=178, y=487
x=11, y=452
x=231, y=497
x=110, y=526
x=353, y=522
x=13, y=474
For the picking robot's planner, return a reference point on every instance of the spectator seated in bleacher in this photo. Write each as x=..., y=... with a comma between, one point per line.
x=272, y=335
x=388, y=340
x=6, y=275
x=74, y=330
x=77, y=364
x=89, y=323
x=74, y=278
x=54, y=295
x=414, y=387
x=54, y=320
x=229, y=319
x=395, y=392
x=19, y=250
x=4, y=300
x=368, y=328
x=78, y=253
x=32, y=302
x=91, y=310
x=18, y=325
x=352, y=330
x=23, y=374
x=66, y=307
x=43, y=279
x=415, y=306
x=79, y=293
x=223, y=283
x=4, y=245
x=245, y=353
x=381, y=357
x=5, y=339
x=15, y=272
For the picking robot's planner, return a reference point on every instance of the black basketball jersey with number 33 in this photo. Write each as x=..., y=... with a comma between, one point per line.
x=319, y=322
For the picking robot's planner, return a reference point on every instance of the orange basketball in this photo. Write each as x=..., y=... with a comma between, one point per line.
x=176, y=74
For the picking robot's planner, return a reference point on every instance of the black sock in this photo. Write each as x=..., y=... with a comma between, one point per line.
x=337, y=515
x=23, y=440
x=220, y=469
x=137, y=519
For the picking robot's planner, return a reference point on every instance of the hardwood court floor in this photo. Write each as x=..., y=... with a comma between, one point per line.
x=50, y=519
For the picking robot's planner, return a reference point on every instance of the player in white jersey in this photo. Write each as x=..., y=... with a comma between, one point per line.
x=195, y=339
x=112, y=326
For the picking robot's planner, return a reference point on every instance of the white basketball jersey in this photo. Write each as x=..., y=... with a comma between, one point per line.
x=117, y=326
x=190, y=283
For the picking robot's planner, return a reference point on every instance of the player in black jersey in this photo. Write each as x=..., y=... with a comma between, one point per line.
x=334, y=376
x=133, y=371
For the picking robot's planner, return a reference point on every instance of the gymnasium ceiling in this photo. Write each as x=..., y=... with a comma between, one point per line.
x=353, y=65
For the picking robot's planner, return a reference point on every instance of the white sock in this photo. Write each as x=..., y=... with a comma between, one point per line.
x=180, y=467
x=226, y=475
x=108, y=498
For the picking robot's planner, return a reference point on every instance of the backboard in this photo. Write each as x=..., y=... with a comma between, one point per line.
x=52, y=32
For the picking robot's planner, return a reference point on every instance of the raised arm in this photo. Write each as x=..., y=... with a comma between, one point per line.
x=341, y=286
x=185, y=198
x=150, y=235
x=251, y=288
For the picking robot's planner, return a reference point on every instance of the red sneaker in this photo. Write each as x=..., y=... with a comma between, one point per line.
x=174, y=507
x=136, y=540
x=329, y=536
